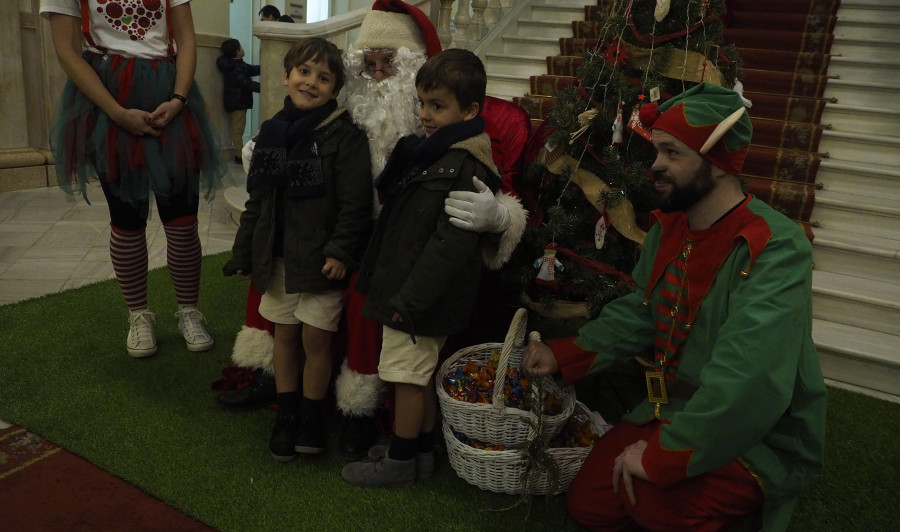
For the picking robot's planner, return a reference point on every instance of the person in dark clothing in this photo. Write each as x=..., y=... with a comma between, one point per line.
x=421, y=272
x=239, y=89
x=269, y=14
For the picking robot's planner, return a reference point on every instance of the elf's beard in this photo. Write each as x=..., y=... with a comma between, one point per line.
x=384, y=109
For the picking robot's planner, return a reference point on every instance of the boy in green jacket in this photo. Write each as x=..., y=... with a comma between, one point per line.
x=305, y=226
x=420, y=273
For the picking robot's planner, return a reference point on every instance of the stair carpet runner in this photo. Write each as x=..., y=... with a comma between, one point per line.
x=784, y=45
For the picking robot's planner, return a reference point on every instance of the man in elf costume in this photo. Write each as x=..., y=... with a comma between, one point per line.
x=733, y=426
x=394, y=41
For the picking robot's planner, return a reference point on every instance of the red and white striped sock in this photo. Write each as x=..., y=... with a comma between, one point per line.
x=184, y=258
x=128, y=252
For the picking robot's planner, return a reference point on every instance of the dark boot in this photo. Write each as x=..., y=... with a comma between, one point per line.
x=310, y=437
x=260, y=392
x=358, y=434
x=281, y=443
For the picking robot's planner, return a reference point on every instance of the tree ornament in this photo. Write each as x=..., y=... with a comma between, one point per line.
x=621, y=215
x=600, y=233
x=585, y=120
x=617, y=126
x=547, y=266
x=634, y=123
x=662, y=9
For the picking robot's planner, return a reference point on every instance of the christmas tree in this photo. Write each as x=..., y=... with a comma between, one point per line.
x=589, y=192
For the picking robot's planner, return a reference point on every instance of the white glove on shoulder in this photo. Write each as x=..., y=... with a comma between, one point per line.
x=477, y=211
x=247, y=154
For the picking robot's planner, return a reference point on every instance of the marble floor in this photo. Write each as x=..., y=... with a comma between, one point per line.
x=50, y=242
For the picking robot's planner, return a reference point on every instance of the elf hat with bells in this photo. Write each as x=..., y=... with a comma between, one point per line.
x=392, y=24
x=710, y=119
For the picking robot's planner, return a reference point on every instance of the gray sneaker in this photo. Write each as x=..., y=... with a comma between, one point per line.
x=424, y=461
x=190, y=324
x=380, y=473
x=141, y=340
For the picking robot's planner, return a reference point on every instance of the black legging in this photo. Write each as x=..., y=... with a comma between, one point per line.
x=132, y=217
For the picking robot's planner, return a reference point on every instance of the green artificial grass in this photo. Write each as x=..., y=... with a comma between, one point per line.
x=65, y=375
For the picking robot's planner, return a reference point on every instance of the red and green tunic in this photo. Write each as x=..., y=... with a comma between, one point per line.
x=727, y=313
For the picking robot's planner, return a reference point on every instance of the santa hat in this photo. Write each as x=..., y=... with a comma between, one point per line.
x=393, y=24
x=710, y=119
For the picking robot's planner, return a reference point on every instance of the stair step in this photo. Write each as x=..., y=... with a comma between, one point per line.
x=848, y=30
x=858, y=119
x=507, y=86
x=530, y=28
x=883, y=70
x=557, y=13
x=859, y=357
x=872, y=14
x=848, y=146
x=856, y=255
x=516, y=65
x=861, y=179
x=867, y=47
x=534, y=46
x=864, y=94
x=858, y=302
x=850, y=213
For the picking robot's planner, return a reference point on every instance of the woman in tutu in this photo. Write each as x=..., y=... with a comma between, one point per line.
x=131, y=117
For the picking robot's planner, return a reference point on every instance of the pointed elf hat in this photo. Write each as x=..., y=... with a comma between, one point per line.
x=710, y=119
x=392, y=24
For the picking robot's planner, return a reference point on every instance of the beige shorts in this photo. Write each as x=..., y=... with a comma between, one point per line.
x=320, y=309
x=407, y=362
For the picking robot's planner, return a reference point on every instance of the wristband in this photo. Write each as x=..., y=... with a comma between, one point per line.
x=176, y=96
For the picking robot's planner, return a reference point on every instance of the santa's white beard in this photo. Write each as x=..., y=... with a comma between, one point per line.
x=385, y=109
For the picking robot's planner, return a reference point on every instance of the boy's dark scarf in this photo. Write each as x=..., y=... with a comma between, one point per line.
x=413, y=153
x=286, y=156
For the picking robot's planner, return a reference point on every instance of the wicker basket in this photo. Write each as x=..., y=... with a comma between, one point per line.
x=495, y=422
x=502, y=471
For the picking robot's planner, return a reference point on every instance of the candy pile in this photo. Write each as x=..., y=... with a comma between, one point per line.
x=577, y=432
x=474, y=383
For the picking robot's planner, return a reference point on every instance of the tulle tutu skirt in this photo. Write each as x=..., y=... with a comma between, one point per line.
x=87, y=144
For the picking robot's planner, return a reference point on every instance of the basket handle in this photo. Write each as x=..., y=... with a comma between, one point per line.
x=515, y=338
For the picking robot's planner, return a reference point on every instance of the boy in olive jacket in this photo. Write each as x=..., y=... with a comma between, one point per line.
x=420, y=273
x=305, y=226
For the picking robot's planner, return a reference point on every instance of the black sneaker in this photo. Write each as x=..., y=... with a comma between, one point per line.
x=281, y=444
x=358, y=435
x=310, y=438
x=260, y=392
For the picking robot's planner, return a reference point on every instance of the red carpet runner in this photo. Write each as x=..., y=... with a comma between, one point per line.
x=43, y=487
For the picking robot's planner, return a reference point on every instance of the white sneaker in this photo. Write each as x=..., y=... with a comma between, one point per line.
x=141, y=340
x=190, y=323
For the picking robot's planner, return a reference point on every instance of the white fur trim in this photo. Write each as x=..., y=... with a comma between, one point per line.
x=385, y=29
x=495, y=254
x=357, y=394
x=253, y=349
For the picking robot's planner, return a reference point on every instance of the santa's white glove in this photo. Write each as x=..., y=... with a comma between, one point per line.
x=477, y=211
x=247, y=154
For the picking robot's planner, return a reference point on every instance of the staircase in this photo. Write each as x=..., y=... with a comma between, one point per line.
x=522, y=51
x=856, y=217
x=856, y=282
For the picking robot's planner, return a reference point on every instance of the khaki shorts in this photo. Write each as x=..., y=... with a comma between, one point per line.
x=319, y=309
x=406, y=362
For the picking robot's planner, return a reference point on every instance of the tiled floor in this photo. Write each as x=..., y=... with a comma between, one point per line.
x=50, y=241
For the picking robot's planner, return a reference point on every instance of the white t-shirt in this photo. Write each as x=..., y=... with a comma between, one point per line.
x=132, y=28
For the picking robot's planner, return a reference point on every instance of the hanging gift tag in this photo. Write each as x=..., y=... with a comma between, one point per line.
x=656, y=387
x=654, y=94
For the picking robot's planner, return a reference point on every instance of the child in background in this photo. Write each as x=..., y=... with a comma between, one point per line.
x=305, y=227
x=132, y=117
x=238, y=90
x=420, y=273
